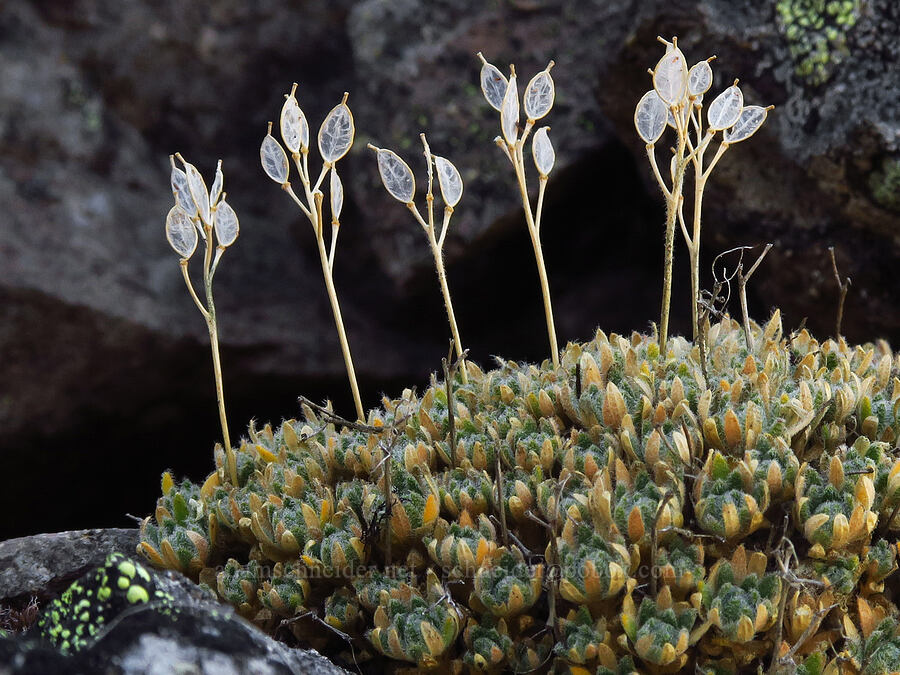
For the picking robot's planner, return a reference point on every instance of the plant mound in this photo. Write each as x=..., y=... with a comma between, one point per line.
x=717, y=509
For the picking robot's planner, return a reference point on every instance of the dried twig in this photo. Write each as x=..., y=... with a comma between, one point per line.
x=843, y=287
x=742, y=291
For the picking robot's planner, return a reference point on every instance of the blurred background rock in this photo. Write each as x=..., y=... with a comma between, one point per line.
x=104, y=363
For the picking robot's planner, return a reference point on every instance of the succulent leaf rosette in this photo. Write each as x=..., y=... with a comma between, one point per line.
x=738, y=597
x=487, y=643
x=286, y=593
x=834, y=509
x=505, y=585
x=584, y=641
x=463, y=490
x=660, y=629
x=342, y=610
x=180, y=537
x=728, y=502
x=461, y=549
x=238, y=584
x=680, y=566
x=419, y=632
x=593, y=568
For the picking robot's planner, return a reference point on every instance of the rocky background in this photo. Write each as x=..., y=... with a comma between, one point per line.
x=104, y=362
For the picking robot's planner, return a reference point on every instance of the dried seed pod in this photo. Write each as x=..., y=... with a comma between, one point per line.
x=227, y=226
x=336, y=194
x=181, y=190
x=197, y=187
x=539, y=94
x=180, y=232
x=395, y=174
x=749, y=122
x=700, y=79
x=294, y=127
x=336, y=133
x=542, y=151
x=273, y=158
x=449, y=181
x=493, y=84
x=216, y=190
x=725, y=110
x=650, y=117
x=509, y=112
x=670, y=77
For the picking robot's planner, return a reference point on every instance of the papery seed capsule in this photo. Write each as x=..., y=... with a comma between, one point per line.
x=509, y=112
x=700, y=78
x=273, y=158
x=180, y=232
x=294, y=129
x=337, y=132
x=227, y=226
x=539, y=94
x=670, y=77
x=725, y=109
x=542, y=151
x=181, y=190
x=493, y=84
x=749, y=122
x=449, y=181
x=650, y=117
x=197, y=187
x=216, y=190
x=396, y=175
x=336, y=193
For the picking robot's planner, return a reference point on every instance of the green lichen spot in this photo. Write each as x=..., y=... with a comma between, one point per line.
x=123, y=583
x=85, y=616
x=127, y=568
x=103, y=593
x=137, y=594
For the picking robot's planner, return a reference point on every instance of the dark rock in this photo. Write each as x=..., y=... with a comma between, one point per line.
x=105, y=356
x=43, y=564
x=190, y=632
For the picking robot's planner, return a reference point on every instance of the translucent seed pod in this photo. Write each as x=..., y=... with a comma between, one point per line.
x=273, y=158
x=650, y=117
x=493, y=84
x=181, y=190
x=396, y=175
x=725, y=109
x=337, y=132
x=199, y=193
x=293, y=124
x=670, y=77
x=449, y=181
x=336, y=194
x=539, y=94
x=180, y=232
x=216, y=190
x=542, y=152
x=509, y=112
x=749, y=122
x=700, y=78
x=227, y=226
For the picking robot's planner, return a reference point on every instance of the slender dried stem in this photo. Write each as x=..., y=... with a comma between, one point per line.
x=451, y=419
x=515, y=155
x=742, y=290
x=843, y=287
